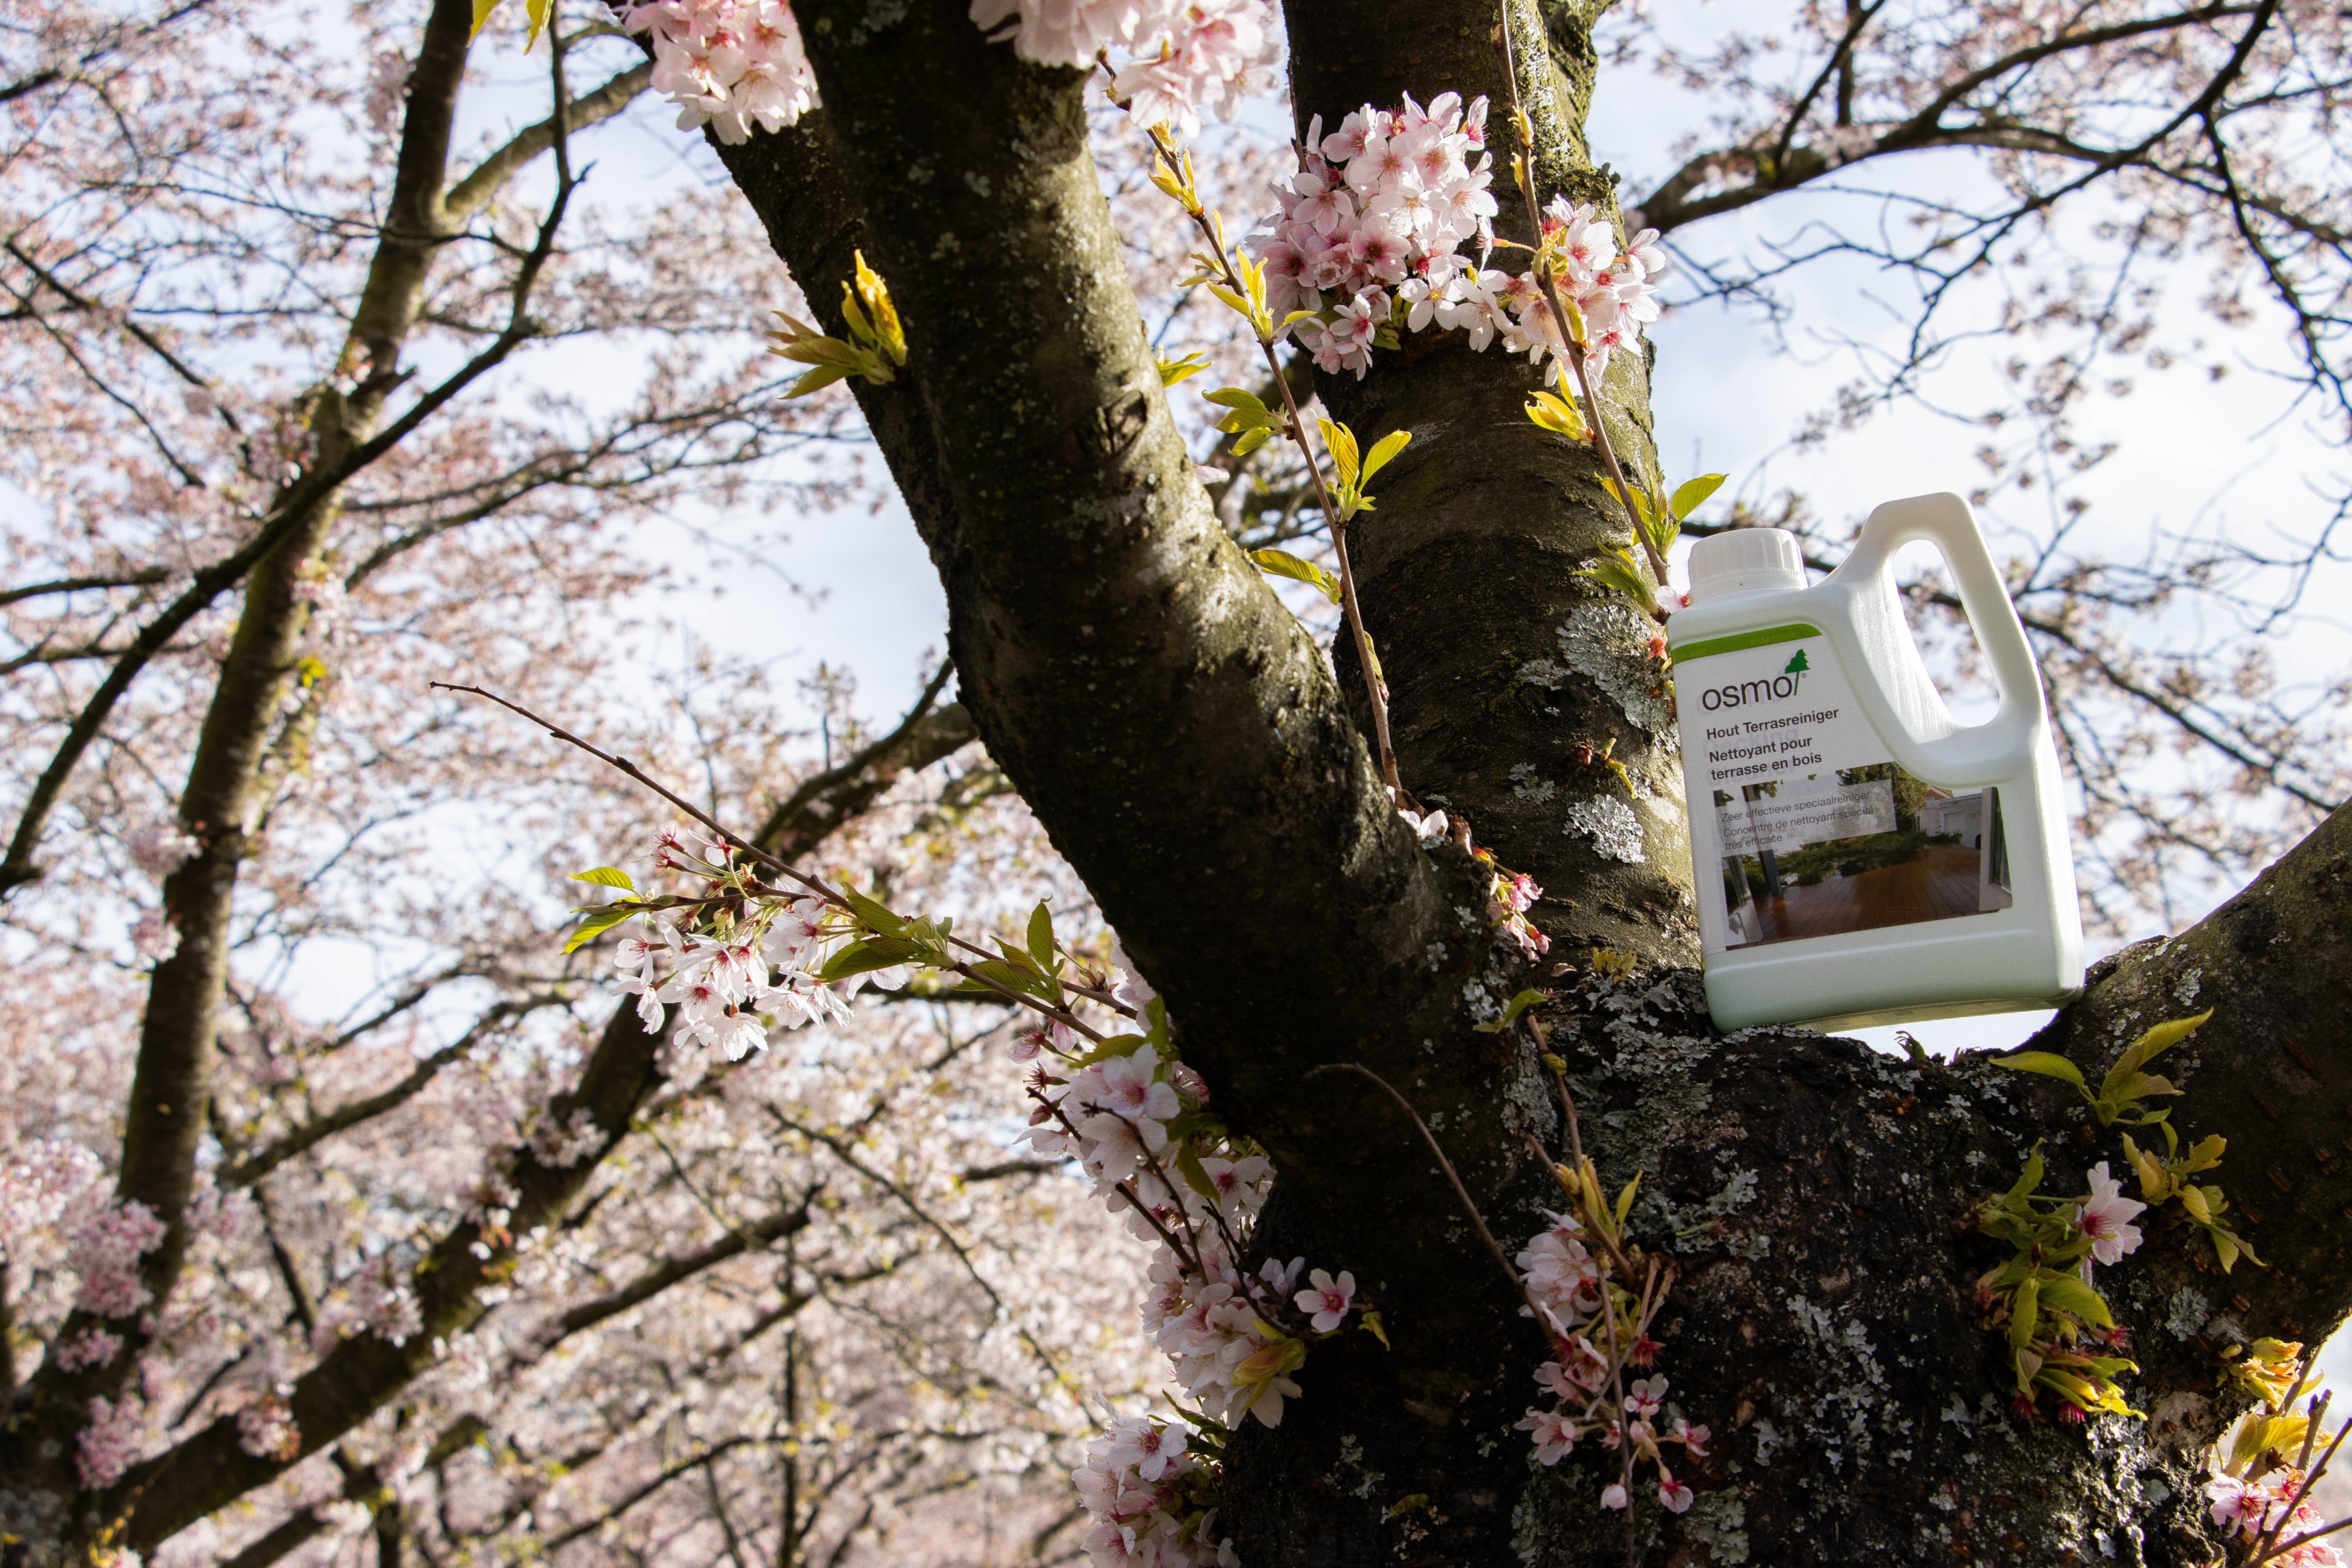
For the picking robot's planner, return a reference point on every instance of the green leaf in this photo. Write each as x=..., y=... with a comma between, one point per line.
x=598, y=922
x=2147, y=1048
x=605, y=877
x=1282, y=563
x=2049, y=1064
x=1234, y=397
x=2068, y=1294
x=1250, y=441
x=865, y=957
x=1196, y=1175
x=1692, y=494
x=1626, y=1199
x=2030, y=1182
x=1388, y=447
x=1041, y=937
x=1018, y=978
x=876, y=916
x=2024, y=1314
x=482, y=9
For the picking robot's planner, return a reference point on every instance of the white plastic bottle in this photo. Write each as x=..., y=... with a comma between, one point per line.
x=1861, y=857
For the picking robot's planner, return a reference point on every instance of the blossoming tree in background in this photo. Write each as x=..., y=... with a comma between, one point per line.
x=712, y=1231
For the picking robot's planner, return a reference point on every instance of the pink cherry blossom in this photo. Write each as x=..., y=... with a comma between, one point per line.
x=1328, y=1299
x=2106, y=1217
x=1553, y=1434
x=731, y=64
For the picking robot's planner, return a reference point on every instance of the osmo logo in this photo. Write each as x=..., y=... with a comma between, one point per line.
x=1783, y=685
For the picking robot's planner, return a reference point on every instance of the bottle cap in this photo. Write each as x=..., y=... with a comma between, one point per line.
x=1744, y=560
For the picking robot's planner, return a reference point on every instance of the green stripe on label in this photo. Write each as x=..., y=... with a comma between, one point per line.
x=1764, y=638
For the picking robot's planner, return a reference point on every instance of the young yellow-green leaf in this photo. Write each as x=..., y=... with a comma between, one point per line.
x=2154, y=1044
x=1371, y=1324
x=1342, y=443
x=2142, y=1086
x=1639, y=502
x=1386, y=448
x=1172, y=370
x=1554, y=413
x=2049, y=1064
x=596, y=922
x=2029, y=1181
x=1250, y=441
x=816, y=380
x=2024, y=1314
x=1626, y=1199
x=482, y=10
x=1616, y=571
x=1692, y=494
x=1282, y=563
x=605, y=877
x=1041, y=937
x=1234, y=397
x=2068, y=1294
x=2225, y=1247
x=1511, y=1011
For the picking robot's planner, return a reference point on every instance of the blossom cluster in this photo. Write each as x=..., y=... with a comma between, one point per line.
x=1135, y=1118
x=111, y=1440
x=160, y=848
x=1566, y=1281
x=1509, y=896
x=734, y=65
x=106, y=1254
x=1135, y=1122
x=2277, y=1502
x=1370, y=239
x=727, y=64
x=729, y=988
x=1148, y=1497
x=38, y=1181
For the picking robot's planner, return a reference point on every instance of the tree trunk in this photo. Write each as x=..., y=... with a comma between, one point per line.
x=1192, y=757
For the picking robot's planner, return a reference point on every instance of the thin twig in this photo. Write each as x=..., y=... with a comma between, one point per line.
x=1477, y=1221
x=830, y=894
x=1297, y=430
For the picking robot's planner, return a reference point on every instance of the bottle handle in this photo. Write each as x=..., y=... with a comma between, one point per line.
x=1944, y=520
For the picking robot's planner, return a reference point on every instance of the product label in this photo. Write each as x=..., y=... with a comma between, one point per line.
x=1819, y=831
